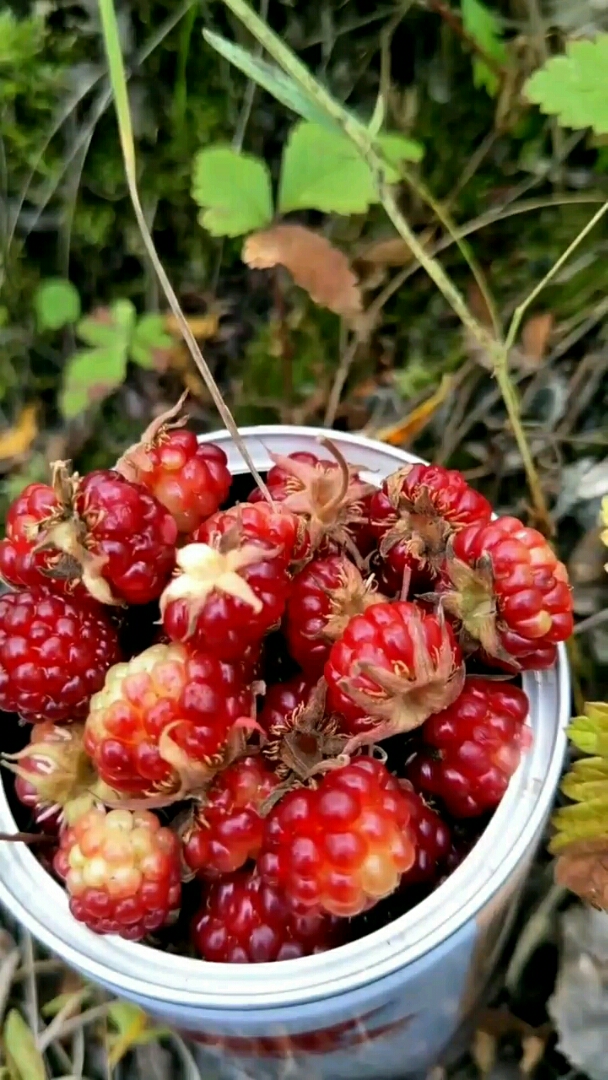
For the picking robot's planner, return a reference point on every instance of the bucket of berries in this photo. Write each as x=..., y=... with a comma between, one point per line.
x=280, y=754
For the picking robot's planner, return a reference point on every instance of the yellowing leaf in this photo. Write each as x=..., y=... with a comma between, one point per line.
x=315, y=265
x=583, y=868
x=233, y=190
x=604, y=520
x=405, y=430
x=23, y=1057
x=18, y=439
x=574, y=87
x=133, y=1028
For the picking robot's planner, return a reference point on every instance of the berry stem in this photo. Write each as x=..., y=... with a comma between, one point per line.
x=27, y=838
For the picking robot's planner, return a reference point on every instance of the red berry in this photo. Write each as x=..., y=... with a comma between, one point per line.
x=230, y=590
x=325, y=596
x=507, y=587
x=342, y=846
x=54, y=654
x=121, y=871
x=330, y=495
x=112, y=534
x=226, y=829
x=261, y=522
x=189, y=478
x=166, y=720
x=475, y=747
x=282, y=699
x=22, y=563
x=393, y=667
x=432, y=837
x=244, y=920
x=417, y=510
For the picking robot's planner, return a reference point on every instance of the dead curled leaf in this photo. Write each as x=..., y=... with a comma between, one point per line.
x=314, y=263
x=583, y=868
x=17, y=440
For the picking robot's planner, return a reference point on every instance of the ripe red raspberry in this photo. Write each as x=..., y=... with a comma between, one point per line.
x=393, y=667
x=112, y=534
x=342, y=846
x=244, y=920
x=54, y=654
x=475, y=746
x=22, y=563
x=121, y=871
x=325, y=596
x=507, y=587
x=330, y=496
x=416, y=511
x=282, y=699
x=230, y=590
x=225, y=829
x=261, y=522
x=166, y=721
x=432, y=838
x=190, y=479
x=51, y=771
x=540, y=659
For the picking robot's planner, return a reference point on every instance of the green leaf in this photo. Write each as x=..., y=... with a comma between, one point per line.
x=234, y=191
x=486, y=29
x=108, y=326
x=133, y=1028
x=270, y=78
x=90, y=376
x=574, y=87
x=149, y=337
x=56, y=303
x=323, y=170
x=24, y=1059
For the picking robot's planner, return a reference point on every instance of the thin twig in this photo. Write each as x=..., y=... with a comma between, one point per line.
x=592, y=622
x=119, y=90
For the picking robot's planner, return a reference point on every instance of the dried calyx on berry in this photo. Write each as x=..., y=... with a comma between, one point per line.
x=54, y=776
x=393, y=667
x=305, y=743
x=227, y=593
x=416, y=511
x=329, y=494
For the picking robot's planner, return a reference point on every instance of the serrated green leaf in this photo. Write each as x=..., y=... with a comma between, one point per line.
x=108, y=326
x=90, y=376
x=56, y=303
x=574, y=87
x=322, y=170
x=133, y=1028
x=234, y=191
x=485, y=28
x=590, y=732
x=24, y=1059
x=148, y=337
x=270, y=78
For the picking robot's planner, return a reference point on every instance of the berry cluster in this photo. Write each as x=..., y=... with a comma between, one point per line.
x=235, y=755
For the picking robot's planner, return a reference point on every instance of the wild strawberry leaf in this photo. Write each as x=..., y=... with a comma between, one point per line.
x=323, y=170
x=108, y=326
x=485, y=27
x=574, y=87
x=148, y=339
x=233, y=190
x=56, y=303
x=90, y=376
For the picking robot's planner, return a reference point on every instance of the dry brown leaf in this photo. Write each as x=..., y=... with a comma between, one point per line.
x=315, y=265
x=390, y=252
x=583, y=868
x=202, y=326
x=17, y=440
x=535, y=337
x=405, y=430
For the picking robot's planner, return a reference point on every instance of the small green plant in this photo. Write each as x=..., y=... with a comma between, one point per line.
x=113, y=335
x=320, y=170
